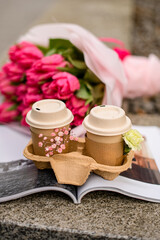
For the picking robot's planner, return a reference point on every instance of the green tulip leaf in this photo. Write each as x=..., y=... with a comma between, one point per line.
x=84, y=92
x=98, y=91
x=89, y=100
x=58, y=43
x=44, y=50
x=13, y=107
x=50, y=52
x=74, y=71
x=91, y=77
x=77, y=63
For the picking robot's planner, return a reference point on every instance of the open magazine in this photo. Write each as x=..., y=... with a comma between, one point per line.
x=19, y=177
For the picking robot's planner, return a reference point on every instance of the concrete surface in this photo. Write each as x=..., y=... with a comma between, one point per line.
x=17, y=16
x=105, y=18
x=102, y=215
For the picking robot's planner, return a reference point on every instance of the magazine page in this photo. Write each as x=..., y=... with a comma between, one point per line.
x=18, y=176
x=142, y=181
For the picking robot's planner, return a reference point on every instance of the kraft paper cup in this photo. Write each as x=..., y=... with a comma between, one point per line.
x=105, y=125
x=49, y=122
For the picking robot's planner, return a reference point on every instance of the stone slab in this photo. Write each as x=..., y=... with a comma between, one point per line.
x=101, y=215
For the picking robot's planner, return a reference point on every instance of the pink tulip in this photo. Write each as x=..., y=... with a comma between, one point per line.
x=8, y=112
x=31, y=98
x=24, y=113
x=6, y=88
x=44, y=69
x=25, y=54
x=63, y=86
x=32, y=90
x=78, y=108
x=21, y=91
x=47, y=91
x=13, y=72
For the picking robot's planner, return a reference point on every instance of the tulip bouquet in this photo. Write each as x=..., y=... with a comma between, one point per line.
x=54, y=72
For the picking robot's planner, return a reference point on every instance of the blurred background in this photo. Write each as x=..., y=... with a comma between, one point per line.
x=135, y=22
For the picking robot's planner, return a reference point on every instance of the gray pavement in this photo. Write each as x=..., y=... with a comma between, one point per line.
x=109, y=18
x=17, y=16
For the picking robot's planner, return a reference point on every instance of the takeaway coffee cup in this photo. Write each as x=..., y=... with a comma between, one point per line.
x=105, y=125
x=49, y=122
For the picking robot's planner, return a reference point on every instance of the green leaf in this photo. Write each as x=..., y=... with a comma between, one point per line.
x=91, y=77
x=77, y=63
x=42, y=82
x=98, y=91
x=14, y=98
x=18, y=118
x=73, y=71
x=13, y=107
x=67, y=52
x=58, y=43
x=84, y=92
x=89, y=100
x=43, y=49
x=50, y=52
x=126, y=149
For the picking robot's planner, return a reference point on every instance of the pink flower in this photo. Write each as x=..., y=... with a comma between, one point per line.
x=45, y=138
x=32, y=90
x=54, y=146
x=8, y=112
x=25, y=54
x=58, y=143
x=44, y=69
x=47, y=91
x=59, y=150
x=78, y=108
x=46, y=149
x=24, y=113
x=40, y=144
x=50, y=153
x=60, y=134
x=63, y=86
x=40, y=135
x=53, y=134
x=71, y=138
x=66, y=132
x=77, y=120
x=6, y=88
x=13, y=72
x=63, y=146
x=31, y=98
x=122, y=53
x=21, y=91
x=57, y=138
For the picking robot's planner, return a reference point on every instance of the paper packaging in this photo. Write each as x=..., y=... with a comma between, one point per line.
x=74, y=167
x=49, y=122
x=105, y=125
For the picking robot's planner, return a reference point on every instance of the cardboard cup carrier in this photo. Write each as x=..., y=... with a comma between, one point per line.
x=101, y=151
x=49, y=122
x=105, y=125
